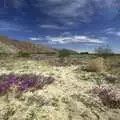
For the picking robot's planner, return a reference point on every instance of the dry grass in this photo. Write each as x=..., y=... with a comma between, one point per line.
x=96, y=65
x=113, y=65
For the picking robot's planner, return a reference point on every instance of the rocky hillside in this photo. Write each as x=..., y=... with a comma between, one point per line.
x=12, y=46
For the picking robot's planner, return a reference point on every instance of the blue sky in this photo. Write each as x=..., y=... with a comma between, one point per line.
x=81, y=25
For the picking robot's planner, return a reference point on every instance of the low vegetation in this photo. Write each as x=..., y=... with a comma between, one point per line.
x=109, y=95
x=22, y=83
x=112, y=79
x=95, y=65
x=23, y=54
x=104, y=51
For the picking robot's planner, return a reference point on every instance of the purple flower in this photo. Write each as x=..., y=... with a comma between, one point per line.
x=12, y=80
x=23, y=83
x=24, y=87
x=4, y=88
x=29, y=83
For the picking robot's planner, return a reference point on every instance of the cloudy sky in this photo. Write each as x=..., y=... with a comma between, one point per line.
x=80, y=25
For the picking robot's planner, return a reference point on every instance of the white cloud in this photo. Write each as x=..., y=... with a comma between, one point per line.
x=109, y=29
x=34, y=39
x=118, y=33
x=112, y=31
x=66, y=34
x=70, y=39
x=80, y=10
x=52, y=27
x=72, y=11
x=103, y=38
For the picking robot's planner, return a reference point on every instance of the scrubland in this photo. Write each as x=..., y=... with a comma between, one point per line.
x=84, y=88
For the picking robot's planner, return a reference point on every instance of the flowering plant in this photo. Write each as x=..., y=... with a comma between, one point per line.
x=23, y=83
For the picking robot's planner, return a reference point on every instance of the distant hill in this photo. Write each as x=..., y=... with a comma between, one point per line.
x=8, y=45
x=69, y=50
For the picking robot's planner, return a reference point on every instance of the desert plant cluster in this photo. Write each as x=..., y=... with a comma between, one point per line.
x=109, y=95
x=96, y=65
x=23, y=83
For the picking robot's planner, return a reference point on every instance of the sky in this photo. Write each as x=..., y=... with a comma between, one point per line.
x=80, y=25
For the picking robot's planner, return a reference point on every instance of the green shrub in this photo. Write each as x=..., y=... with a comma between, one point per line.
x=23, y=54
x=63, y=53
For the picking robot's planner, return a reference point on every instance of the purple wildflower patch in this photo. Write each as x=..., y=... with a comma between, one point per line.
x=23, y=82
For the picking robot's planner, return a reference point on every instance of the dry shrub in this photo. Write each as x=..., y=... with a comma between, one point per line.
x=96, y=65
x=109, y=96
x=112, y=79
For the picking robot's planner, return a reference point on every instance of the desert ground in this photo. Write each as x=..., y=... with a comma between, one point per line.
x=71, y=96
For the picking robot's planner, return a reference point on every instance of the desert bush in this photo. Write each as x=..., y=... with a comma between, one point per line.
x=84, y=53
x=117, y=65
x=23, y=54
x=63, y=53
x=112, y=79
x=96, y=65
x=39, y=57
x=104, y=51
x=23, y=83
x=109, y=96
